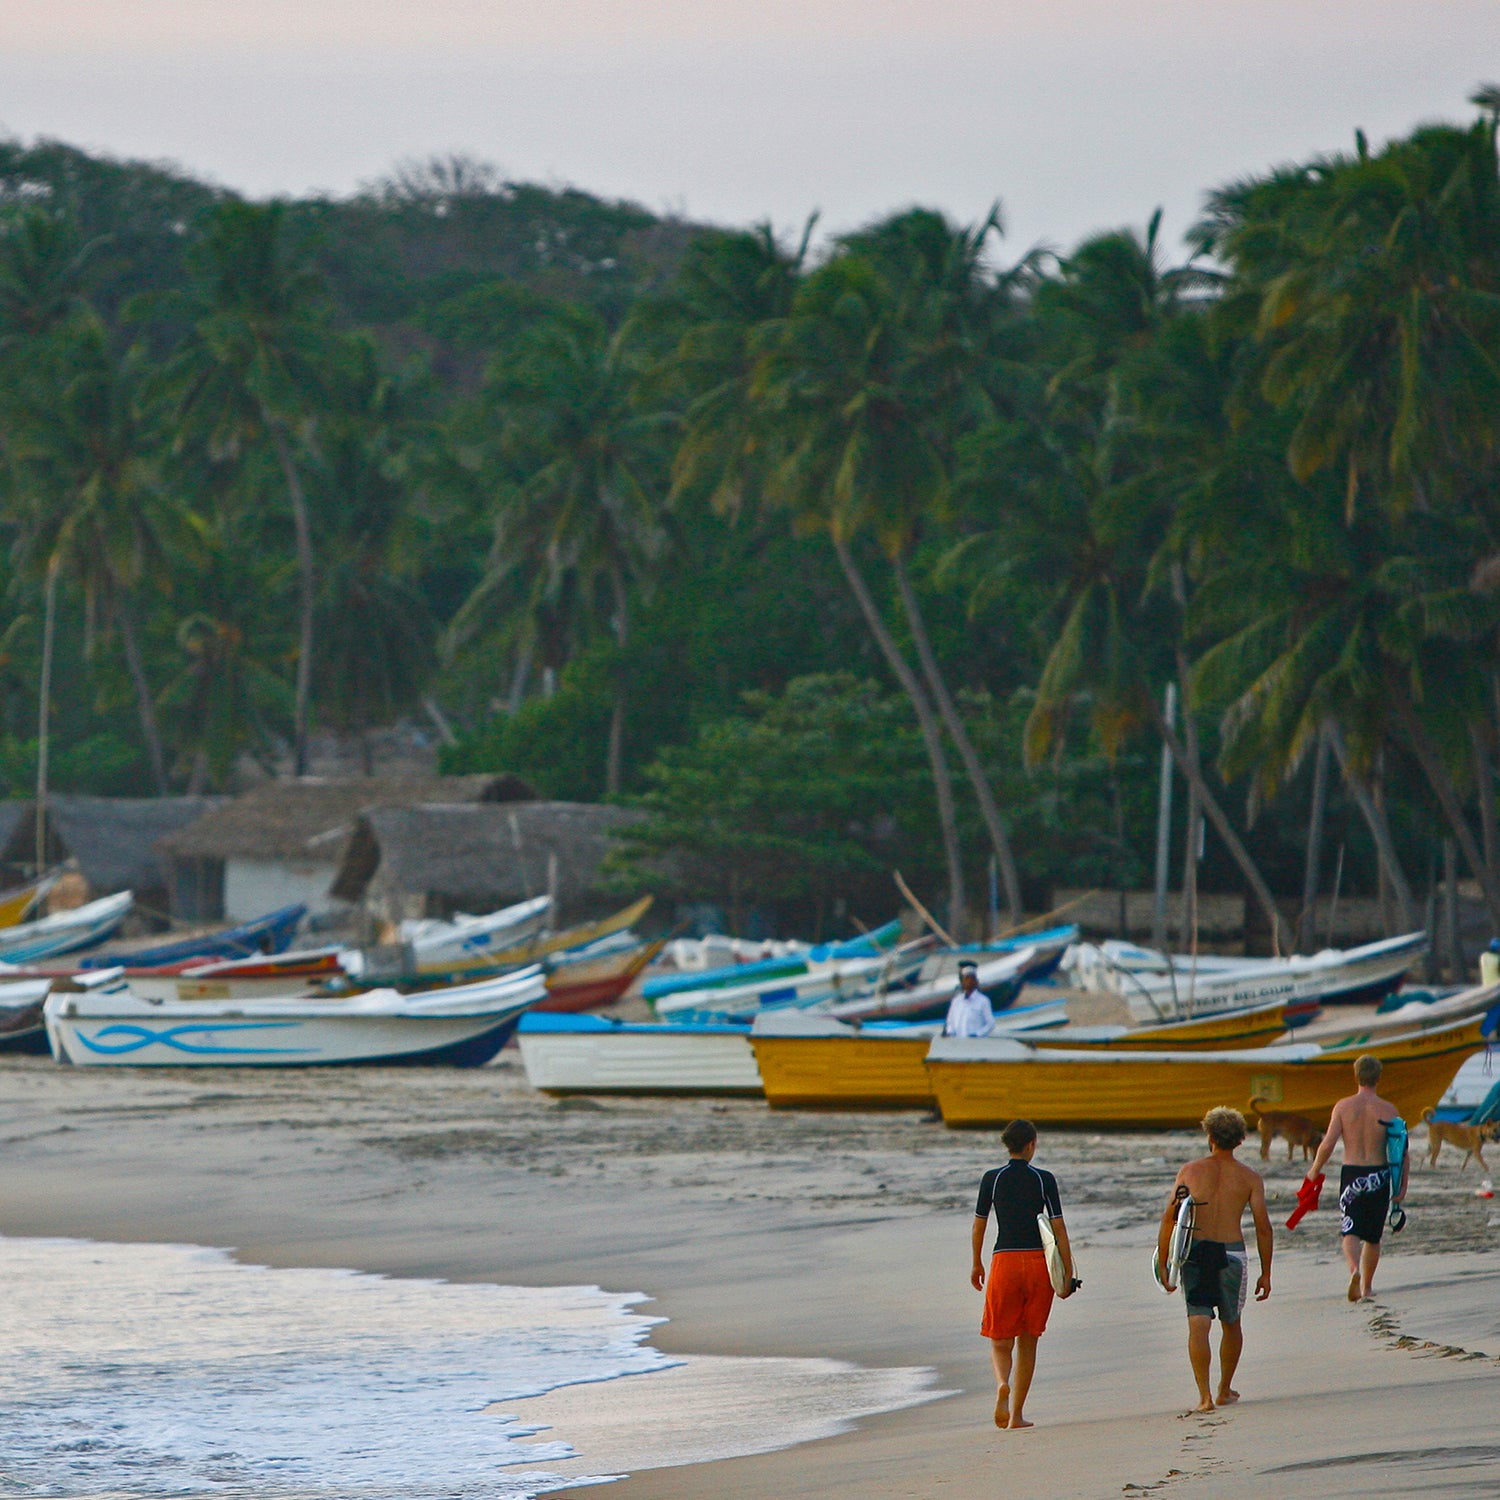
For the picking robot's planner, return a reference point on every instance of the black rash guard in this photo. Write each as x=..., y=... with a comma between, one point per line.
x=1018, y=1192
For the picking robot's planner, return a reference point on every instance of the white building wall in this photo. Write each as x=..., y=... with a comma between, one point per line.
x=252, y=887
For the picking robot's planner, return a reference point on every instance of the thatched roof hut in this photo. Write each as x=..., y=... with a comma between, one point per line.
x=434, y=859
x=111, y=839
x=284, y=841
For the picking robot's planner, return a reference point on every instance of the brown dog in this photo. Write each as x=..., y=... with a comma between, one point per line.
x=1469, y=1139
x=1296, y=1130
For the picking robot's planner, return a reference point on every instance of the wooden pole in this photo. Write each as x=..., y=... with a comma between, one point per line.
x=922, y=911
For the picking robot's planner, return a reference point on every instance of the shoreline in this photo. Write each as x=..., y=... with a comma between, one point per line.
x=762, y=1235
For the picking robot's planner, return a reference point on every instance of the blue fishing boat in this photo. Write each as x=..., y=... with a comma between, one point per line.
x=271, y=933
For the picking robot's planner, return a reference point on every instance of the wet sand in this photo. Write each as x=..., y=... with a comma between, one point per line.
x=808, y=1236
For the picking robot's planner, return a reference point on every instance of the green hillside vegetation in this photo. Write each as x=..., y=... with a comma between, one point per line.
x=837, y=559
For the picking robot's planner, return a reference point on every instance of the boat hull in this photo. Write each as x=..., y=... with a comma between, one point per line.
x=838, y=1072
x=455, y=1041
x=1364, y=978
x=1173, y=1091
x=64, y=932
x=596, y=982
x=639, y=1060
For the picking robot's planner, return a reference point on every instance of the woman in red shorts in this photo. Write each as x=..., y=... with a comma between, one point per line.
x=1018, y=1291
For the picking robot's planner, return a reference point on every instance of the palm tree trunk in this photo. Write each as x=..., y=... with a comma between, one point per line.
x=44, y=714
x=1317, y=815
x=1380, y=830
x=1192, y=839
x=993, y=822
x=306, y=592
x=1216, y=815
x=932, y=740
x=616, y=752
x=1446, y=792
x=1484, y=792
x=130, y=645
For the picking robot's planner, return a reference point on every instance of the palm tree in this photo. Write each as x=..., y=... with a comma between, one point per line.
x=252, y=373
x=226, y=695
x=375, y=627
x=582, y=519
x=88, y=492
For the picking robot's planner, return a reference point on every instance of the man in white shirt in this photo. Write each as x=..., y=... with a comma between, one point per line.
x=969, y=1012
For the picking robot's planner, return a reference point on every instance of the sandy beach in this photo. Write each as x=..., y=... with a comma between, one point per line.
x=801, y=1237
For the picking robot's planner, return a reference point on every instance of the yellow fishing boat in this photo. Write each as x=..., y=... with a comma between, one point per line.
x=987, y=1082
x=14, y=905
x=534, y=949
x=815, y=1062
x=1255, y=1026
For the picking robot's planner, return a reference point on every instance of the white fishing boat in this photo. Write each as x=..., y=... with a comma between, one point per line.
x=582, y=1054
x=21, y=1025
x=285, y=976
x=465, y=938
x=1000, y=979
x=64, y=931
x=464, y=1026
x=820, y=988
x=1158, y=987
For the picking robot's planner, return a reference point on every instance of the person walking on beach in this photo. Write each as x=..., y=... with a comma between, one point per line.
x=1215, y=1273
x=1366, y=1191
x=969, y=1012
x=1017, y=1290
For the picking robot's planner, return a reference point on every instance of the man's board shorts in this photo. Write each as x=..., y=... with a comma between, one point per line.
x=1017, y=1296
x=1364, y=1197
x=1215, y=1279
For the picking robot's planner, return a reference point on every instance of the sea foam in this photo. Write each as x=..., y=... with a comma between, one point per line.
x=170, y=1370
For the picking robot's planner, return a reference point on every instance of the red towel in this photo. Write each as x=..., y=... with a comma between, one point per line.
x=1307, y=1199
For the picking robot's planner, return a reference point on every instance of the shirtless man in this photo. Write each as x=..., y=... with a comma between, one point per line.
x=1214, y=1274
x=1365, y=1182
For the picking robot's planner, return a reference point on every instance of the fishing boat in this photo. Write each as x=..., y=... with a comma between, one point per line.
x=805, y=959
x=595, y=975
x=570, y=1054
x=265, y=935
x=817, y=1062
x=17, y=905
x=22, y=1028
x=535, y=949
x=1334, y=977
x=1047, y=949
x=1346, y=1029
x=820, y=989
x=64, y=931
x=464, y=1026
x=986, y=1081
x=438, y=944
x=1000, y=978
x=1255, y=1026
x=302, y=972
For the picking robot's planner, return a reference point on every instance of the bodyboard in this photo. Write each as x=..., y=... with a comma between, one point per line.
x=1177, y=1246
x=1056, y=1272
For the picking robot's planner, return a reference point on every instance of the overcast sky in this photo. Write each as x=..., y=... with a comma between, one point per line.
x=1076, y=114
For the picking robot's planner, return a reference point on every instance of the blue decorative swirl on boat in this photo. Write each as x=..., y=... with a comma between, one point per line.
x=141, y=1036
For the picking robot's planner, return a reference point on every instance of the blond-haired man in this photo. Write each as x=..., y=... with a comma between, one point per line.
x=1362, y=1122
x=1215, y=1274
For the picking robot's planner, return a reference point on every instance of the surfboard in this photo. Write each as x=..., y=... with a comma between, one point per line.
x=1177, y=1247
x=1057, y=1273
x=1396, y=1146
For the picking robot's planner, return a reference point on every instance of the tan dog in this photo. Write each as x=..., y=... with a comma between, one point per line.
x=1469, y=1139
x=1296, y=1130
